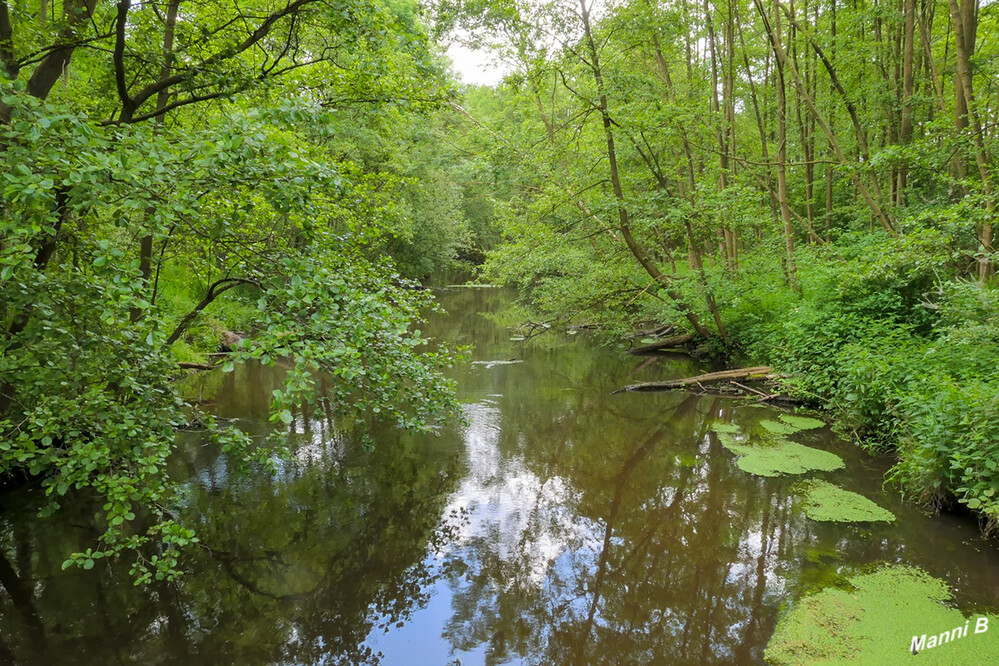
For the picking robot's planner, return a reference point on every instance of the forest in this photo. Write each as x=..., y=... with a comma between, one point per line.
x=189, y=186
x=803, y=185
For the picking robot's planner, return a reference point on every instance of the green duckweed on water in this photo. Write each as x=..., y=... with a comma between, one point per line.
x=801, y=422
x=723, y=426
x=826, y=502
x=777, y=456
x=875, y=622
x=778, y=428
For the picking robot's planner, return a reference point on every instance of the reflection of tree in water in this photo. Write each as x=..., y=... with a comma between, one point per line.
x=612, y=529
x=670, y=553
x=296, y=568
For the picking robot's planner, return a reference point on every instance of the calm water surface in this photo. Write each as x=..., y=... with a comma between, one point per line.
x=561, y=525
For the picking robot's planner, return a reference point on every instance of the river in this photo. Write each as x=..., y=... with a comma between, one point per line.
x=561, y=524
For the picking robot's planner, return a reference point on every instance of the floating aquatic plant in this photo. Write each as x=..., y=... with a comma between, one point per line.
x=875, y=621
x=724, y=426
x=830, y=503
x=801, y=422
x=788, y=458
x=778, y=428
x=777, y=456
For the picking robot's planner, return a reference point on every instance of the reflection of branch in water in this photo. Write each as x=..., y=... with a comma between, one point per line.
x=691, y=401
x=102, y=605
x=6, y=654
x=535, y=513
x=755, y=612
x=177, y=622
x=718, y=597
x=21, y=593
x=228, y=565
x=629, y=466
x=714, y=468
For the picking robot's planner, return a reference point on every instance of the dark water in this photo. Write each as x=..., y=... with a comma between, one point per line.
x=562, y=525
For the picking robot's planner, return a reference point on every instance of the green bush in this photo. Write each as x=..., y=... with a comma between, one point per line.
x=904, y=359
x=948, y=446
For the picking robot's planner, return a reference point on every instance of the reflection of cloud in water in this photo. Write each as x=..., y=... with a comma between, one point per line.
x=320, y=446
x=520, y=516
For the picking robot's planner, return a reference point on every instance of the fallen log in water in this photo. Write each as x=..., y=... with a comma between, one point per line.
x=755, y=374
x=196, y=366
x=659, y=331
x=665, y=343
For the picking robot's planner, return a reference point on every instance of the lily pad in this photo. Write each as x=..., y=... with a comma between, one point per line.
x=874, y=622
x=801, y=422
x=829, y=503
x=779, y=456
x=778, y=428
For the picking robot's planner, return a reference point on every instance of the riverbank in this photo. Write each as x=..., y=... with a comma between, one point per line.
x=902, y=360
x=494, y=541
x=879, y=332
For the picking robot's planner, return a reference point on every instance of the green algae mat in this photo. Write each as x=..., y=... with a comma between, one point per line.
x=881, y=619
x=777, y=456
x=826, y=502
x=801, y=422
x=768, y=452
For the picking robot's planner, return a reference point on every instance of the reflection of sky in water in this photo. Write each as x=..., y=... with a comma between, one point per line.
x=563, y=524
x=513, y=512
x=520, y=514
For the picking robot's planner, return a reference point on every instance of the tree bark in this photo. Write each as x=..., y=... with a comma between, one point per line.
x=671, y=342
x=908, y=86
x=964, y=19
x=624, y=223
x=146, y=242
x=785, y=210
x=757, y=373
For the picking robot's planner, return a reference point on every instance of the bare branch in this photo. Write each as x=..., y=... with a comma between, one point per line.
x=216, y=289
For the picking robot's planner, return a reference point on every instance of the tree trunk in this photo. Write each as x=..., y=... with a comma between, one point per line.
x=146, y=242
x=871, y=200
x=623, y=219
x=908, y=83
x=964, y=19
x=785, y=211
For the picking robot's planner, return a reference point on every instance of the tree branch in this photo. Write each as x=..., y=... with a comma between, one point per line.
x=121, y=21
x=216, y=289
x=7, y=57
x=262, y=30
x=48, y=70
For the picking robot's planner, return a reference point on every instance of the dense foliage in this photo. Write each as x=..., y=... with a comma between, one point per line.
x=175, y=172
x=808, y=185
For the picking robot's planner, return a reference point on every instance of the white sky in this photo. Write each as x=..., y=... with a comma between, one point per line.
x=482, y=67
x=476, y=66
